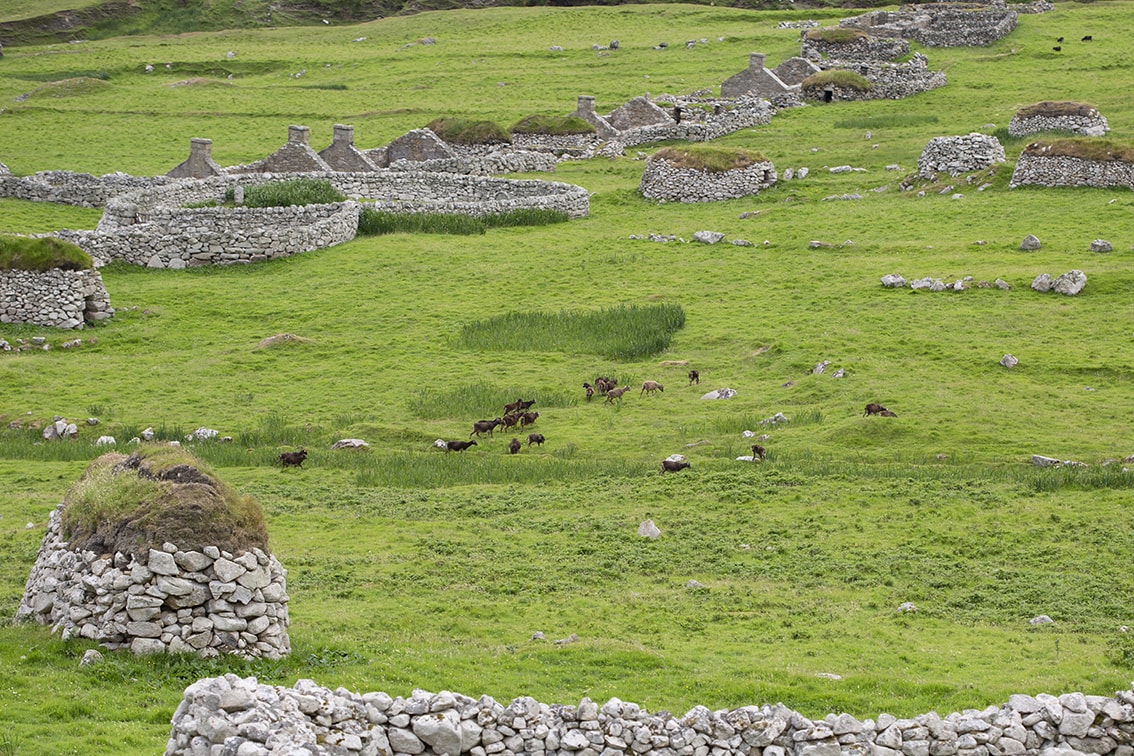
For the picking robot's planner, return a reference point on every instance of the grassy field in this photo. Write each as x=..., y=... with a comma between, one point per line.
x=411, y=568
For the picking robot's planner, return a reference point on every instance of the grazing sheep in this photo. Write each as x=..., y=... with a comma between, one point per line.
x=482, y=426
x=526, y=404
x=292, y=459
x=604, y=384
x=673, y=465
x=535, y=438
x=528, y=418
x=1059, y=40
x=514, y=445
x=874, y=408
x=1057, y=48
x=886, y=413
x=513, y=406
x=758, y=452
x=650, y=387
x=1087, y=38
x=589, y=389
x=458, y=445
x=694, y=377
x=511, y=420
x=616, y=393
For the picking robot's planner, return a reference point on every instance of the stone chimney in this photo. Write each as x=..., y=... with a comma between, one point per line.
x=200, y=163
x=298, y=134
x=344, y=135
x=586, y=104
x=756, y=61
x=200, y=149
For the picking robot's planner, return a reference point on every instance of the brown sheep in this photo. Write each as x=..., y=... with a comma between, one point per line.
x=604, y=384
x=673, y=465
x=616, y=393
x=694, y=377
x=514, y=445
x=458, y=445
x=528, y=418
x=886, y=413
x=526, y=404
x=758, y=452
x=513, y=406
x=510, y=420
x=874, y=408
x=535, y=438
x=292, y=459
x=485, y=426
x=650, y=387
x=589, y=389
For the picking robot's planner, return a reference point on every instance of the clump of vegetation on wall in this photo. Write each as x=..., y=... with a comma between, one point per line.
x=834, y=34
x=40, y=254
x=156, y=495
x=469, y=132
x=1053, y=109
x=377, y=222
x=840, y=78
x=552, y=125
x=710, y=159
x=300, y=191
x=1102, y=150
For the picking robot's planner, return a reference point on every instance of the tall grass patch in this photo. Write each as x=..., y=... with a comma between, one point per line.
x=626, y=332
x=373, y=222
x=300, y=191
x=477, y=400
x=41, y=254
x=469, y=132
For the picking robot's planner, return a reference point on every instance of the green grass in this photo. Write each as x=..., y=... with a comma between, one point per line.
x=835, y=34
x=301, y=191
x=41, y=254
x=1103, y=150
x=625, y=333
x=469, y=132
x=413, y=568
x=1055, y=109
x=837, y=78
x=373, y=222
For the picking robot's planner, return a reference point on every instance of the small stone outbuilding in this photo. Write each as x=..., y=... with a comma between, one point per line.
x=754, y=81
x=54, y=298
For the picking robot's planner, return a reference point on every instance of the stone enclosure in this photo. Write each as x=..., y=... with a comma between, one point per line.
x=55, y=298
x=662, y=180
x=240, y=716
x=1073, y=118
x=1040, y=165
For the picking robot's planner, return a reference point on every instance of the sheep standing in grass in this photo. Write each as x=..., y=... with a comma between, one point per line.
x=694, y=377
x=514, y=445
x=485, y=426
x=651, y=387
x=673, y=465
x=458, y=445
x=535, y=438
x=528, y=418
x=616, y=393
x=758, y=452
x=292, y=459
x=589, y=389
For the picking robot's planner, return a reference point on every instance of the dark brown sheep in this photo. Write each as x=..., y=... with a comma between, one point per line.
x=673, y=465
x=535, y=438
x=886, y=413
x=514, y=445
x=526, y=404
x=292, y=459
x=874, y=408
x=528, y=418
x=485, y=426
x=513, y=406
x=511, y=420
x=589, y=389
x=458, y=445
x=650, y=387
x=758, y=452
x=694, y=377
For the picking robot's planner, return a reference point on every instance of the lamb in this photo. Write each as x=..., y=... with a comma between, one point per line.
x=589, y=389
x=886, y=413
x=694, y=377
x=650, y=387
x=292, y=459
x=458, y=445
x=483, y=426
x=514, y=445
x=758, y=452
x=616, y=393
x=535, y=438
x=874, y=408
x=528, y=418
x=673, y=465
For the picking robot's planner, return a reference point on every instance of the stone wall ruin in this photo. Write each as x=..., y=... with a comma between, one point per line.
x=663, y=181
x=240, y=716
x=207, y=602
x=1085, y=121
x=1063, y=170
x=955, y=155
x=939, y=24
x=54, y=298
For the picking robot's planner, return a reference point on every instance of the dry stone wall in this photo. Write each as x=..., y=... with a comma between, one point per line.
x=888, y=81
x=237, y=715
x=68, y=188
x=1061, y=170
x=959, y=154
x=207, y=602
x=55, y=298
x=663, y=181
x=939, y=24
x=860, y=49
x=1088, y=123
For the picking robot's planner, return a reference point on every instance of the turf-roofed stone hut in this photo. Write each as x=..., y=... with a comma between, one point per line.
x=1075, y=162
x=569, y=135
x=49, y=282
x=705, y=174
x=153, y=553
x=1072, y=117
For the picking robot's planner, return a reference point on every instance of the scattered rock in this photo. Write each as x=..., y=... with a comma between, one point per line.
x=538, y=635
x=350, y=443
x=649, y=530
x=1030, y=243
x=1041, y=619
x=694, y=585
x=721, y=393
x=1101, y=245
x=707, y=237
x=1042, y=283
x=569, y=639
x=90, y=657
x=1009, y=361
x=907, y=606
x=1070, y=283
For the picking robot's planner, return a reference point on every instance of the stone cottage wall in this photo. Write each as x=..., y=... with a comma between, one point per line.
x=662, y=181
x=1089, y=123
x=939, y=24
x=82, y=189
x=54, y=298
x=959, y=154
x=860, y=49
x=1060, y=170
x=205, y=602
x=240, y=716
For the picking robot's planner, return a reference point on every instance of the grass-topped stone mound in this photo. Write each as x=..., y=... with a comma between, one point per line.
x=1058, y=115
x=835, y=84
x=1075, y=162
x=50, y=282
x=558, y=134
x=847, y=43
x=705, y=174
x=153, y=552
x=468, y=132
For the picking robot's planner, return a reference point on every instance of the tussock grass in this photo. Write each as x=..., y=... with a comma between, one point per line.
x=620, y=333
x=300, y=191
x=469, y=132
x=1055, y=108
x=479, y=401
x=373, y=222
x=41, y=254
x=1102, y=150
x=835, y=35
x=837, y=78
x=709, y=158
x=77, y=87
x=553, y=125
